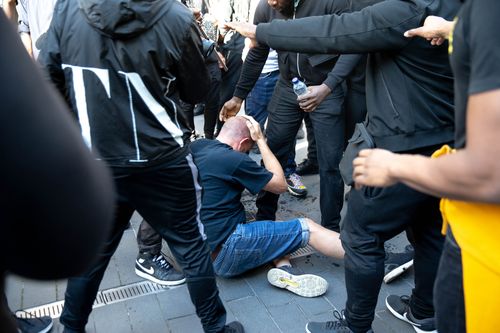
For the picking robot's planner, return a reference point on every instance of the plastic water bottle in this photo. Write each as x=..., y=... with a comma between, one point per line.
x=299, y=87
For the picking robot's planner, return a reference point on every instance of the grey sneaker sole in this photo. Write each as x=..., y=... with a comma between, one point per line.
x=306, y=285
x=388, y=278
x=155, y=280
x=403, y=318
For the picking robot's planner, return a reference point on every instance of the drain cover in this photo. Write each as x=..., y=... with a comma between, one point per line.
x=104, y=297
x=302, y=252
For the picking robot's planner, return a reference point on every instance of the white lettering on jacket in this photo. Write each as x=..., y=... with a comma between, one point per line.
x=130, y=78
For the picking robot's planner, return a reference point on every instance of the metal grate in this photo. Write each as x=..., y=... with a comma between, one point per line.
x=302, y=252
x=104, y=297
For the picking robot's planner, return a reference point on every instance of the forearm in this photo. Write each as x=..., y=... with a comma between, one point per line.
x=458, y=176
x=270, y=161
x=375, y=28
x=26, y=39
x=342, y=69
x=250, y=72
x=9, y=8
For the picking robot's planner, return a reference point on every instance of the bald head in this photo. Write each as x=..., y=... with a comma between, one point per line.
x=234, y=132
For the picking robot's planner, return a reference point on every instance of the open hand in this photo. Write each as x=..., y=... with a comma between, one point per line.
x=254, y=128
x=435, y=29
x=245, y=29
x=230, y=108
x=314, y=96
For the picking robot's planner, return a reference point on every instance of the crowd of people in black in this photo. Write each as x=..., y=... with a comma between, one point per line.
x=402, y=104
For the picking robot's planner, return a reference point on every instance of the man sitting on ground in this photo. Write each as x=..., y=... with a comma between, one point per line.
x=225, y=171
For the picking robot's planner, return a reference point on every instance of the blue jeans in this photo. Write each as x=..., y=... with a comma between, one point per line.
x=254, y=244
x=258, y=99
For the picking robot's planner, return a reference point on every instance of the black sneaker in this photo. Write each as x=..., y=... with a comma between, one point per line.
x=295, y=185
x=234, y=327
x=337, y=326
x=400, y=308
x=307, y=167
x=289, y=278
x=396, y=264
x=158, y=270
x=33, y=324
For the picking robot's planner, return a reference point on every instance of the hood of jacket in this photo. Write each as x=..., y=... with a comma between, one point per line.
x=123, y=18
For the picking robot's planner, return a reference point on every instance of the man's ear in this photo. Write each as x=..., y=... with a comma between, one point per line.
x=244, y=145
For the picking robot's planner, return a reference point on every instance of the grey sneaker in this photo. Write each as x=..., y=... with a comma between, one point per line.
x=157, y=269
x=337, y=326
x=234, y=327
x=31, y=324
x=396, y=264
x=295, y=185
x=399, y=306
x=306, y=285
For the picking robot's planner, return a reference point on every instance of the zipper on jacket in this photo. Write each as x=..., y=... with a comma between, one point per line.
x=389, y=95
x=295, y=5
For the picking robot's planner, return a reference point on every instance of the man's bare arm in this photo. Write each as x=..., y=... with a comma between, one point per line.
x=277, y=184
x=471, y=174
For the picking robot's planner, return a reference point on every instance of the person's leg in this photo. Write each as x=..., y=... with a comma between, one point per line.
x=148, y=240
x=312, y=151
x=283, y=122
x=256, y=243
x=374, y=215
x=448, y=289
x=211, y=113
x=258, y=99
x=425, y=235
x=325, y=240
x=355, y=111
x=169, y=198
x=328, y=124
x=81, y=290
x=151, y=264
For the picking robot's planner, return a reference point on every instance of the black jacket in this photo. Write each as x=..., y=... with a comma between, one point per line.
x=314, y=69
x=409, y=84
x=123, y=66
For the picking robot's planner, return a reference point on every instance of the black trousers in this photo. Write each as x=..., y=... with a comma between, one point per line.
x=449, y=290
x=375, y=215
x=285, y=118
x=148, y=239
x=168, y=197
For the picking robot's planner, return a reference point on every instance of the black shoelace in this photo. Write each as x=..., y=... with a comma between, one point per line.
x=339, y=323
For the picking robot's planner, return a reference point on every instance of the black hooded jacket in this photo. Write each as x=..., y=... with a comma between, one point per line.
x=409, y=84
x=122, y=66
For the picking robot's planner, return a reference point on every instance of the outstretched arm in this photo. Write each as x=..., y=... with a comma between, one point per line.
x=471, y=174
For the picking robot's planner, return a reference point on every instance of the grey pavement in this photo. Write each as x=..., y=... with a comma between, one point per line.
x=260, y=307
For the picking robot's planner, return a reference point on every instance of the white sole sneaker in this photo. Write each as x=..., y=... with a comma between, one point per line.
x=403, y=318
x=397, y=272
x=306, y=285
x=155, y=280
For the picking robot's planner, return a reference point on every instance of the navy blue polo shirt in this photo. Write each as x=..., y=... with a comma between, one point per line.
x=224, y=174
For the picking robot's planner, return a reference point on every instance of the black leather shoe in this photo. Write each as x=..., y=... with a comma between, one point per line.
x=306, y=167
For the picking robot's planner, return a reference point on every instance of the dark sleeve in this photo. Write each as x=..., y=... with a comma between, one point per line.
x=255, y=60
x=56, y=200
x=251, y=175
x=192, y=75
x=375, y=28
x=484, y=47
x=342, y=69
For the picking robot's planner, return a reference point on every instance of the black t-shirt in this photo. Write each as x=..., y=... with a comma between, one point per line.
x=475, y=56
x=224, y=174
